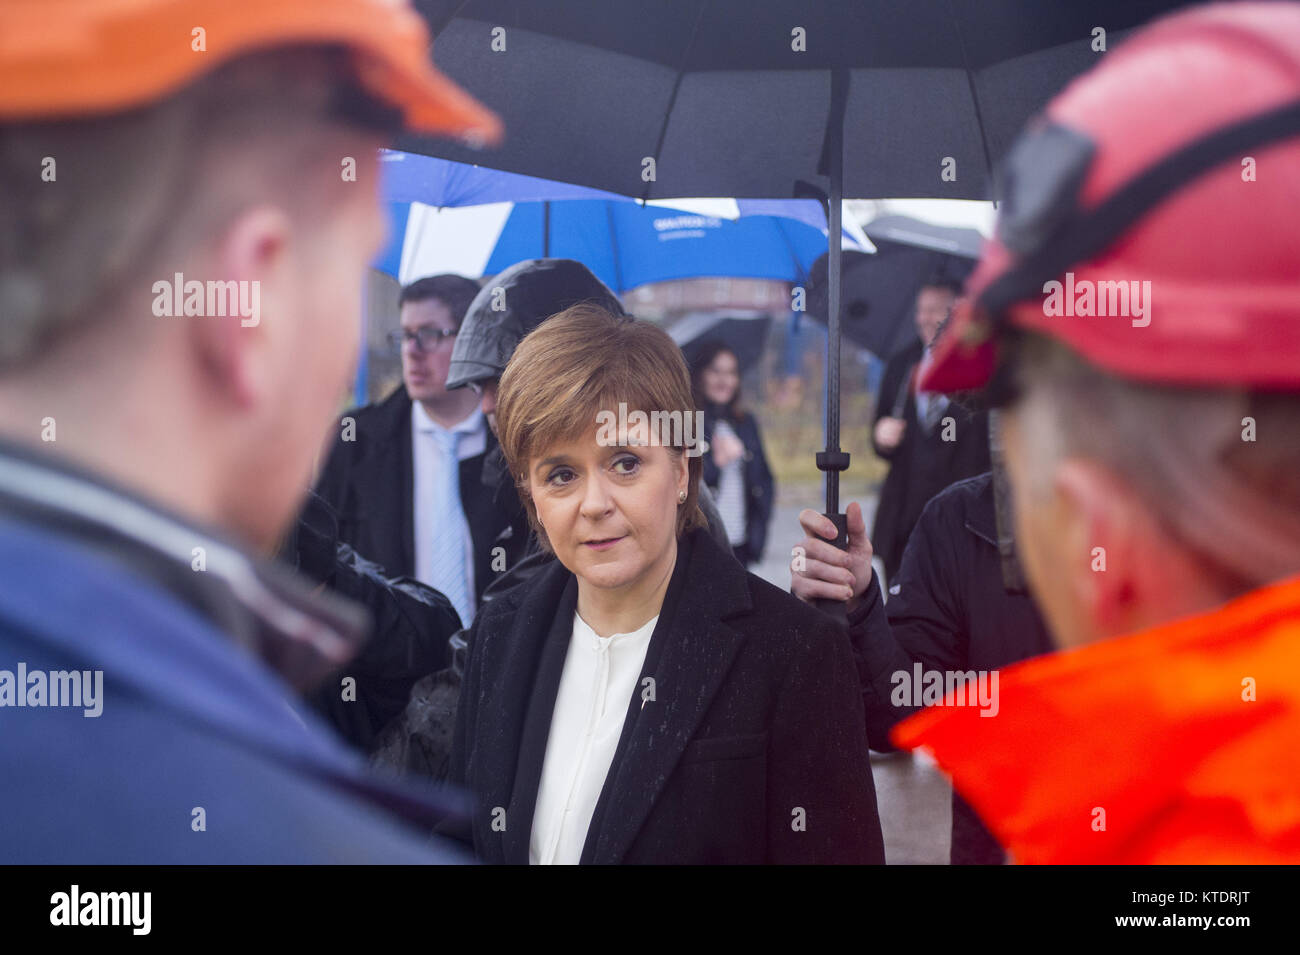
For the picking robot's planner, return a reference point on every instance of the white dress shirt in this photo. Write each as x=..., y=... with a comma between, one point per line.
x=930, y=407
x=600, y=675
x=427, y=461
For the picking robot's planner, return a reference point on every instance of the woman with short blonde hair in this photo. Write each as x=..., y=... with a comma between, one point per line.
x=558, y=384
x=645, y=699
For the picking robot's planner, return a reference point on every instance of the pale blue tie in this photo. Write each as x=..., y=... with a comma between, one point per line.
x=450, y=530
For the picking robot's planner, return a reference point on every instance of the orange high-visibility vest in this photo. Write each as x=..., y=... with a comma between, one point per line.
x=1179, y=744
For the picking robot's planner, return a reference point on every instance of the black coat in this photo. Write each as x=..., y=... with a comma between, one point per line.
x=949, y=609
x=418, y=741
x=412, y=626
x=758, y=715
x=759, y=485
x=922, y=464
x=368, y=482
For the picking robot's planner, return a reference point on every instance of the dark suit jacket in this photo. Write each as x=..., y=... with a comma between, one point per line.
x=753, y=749
x=922, y=464
x=368, y=482
x=410, y=636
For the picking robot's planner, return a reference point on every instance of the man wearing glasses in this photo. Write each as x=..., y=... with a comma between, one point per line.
x=405, y=481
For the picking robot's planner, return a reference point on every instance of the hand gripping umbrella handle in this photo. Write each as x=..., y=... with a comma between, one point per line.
x=836, y=608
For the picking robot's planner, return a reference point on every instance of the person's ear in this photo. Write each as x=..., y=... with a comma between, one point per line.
x=1105, y=544
x=234, y=351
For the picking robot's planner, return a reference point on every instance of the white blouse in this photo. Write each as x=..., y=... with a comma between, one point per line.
x=600, y=675
x=730, y=499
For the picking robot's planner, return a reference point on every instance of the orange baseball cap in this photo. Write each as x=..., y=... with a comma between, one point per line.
x=68, y=58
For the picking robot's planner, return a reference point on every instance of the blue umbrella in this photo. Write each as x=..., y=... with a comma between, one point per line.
x=452, y=217
x=412, y=177
x=625, y=244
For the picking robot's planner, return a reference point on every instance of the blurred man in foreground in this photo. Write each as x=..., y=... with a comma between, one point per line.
x=1139, y=318
x=182, y=240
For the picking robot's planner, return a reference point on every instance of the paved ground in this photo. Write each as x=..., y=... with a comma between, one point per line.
x=915, y=799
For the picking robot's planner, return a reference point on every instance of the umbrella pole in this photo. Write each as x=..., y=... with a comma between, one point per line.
x=829, y=464
x=832, y=460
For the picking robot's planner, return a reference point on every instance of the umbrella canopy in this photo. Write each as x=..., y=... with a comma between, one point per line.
x=734, y=98
x=625, y=244
x=904, y=230
x=745, y=334
x=448, y=216
x=878, y=292
x=414, y=177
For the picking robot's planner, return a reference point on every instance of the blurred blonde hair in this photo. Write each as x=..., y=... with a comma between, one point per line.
x=1232, y=503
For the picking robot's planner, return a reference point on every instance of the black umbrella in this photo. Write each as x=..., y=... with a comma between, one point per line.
x=735, y=98
x=878, y=291
x=904, y=230
x=744, y=335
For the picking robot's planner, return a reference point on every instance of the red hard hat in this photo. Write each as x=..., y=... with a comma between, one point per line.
x=1151, y=218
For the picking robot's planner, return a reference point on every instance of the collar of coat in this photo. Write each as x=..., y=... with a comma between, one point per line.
x=1172, y=745
x=977, y=498
x=174, y=648
x=525, y=639
x=261, y=605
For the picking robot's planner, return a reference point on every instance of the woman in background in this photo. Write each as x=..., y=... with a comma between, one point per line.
x=735, y=466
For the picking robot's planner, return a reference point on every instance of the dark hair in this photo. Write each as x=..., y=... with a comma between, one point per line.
x=454, y=291
x=702, y=357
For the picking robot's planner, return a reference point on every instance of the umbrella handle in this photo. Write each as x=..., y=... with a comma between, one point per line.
x=836, y=608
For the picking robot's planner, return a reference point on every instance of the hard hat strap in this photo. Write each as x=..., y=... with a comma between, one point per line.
x=1077, y=237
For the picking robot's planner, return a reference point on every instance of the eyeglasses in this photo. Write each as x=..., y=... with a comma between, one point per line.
x=426, y=338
